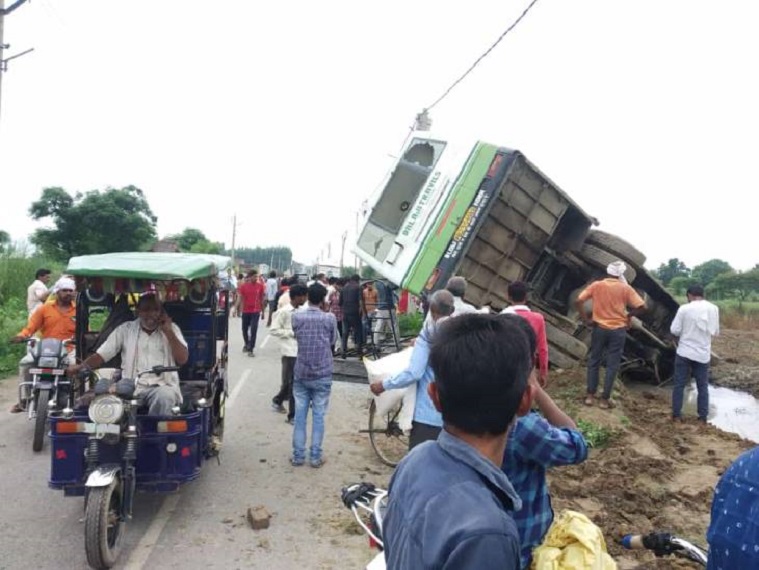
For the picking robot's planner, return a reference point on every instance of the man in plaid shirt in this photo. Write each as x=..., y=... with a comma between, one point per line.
x=536, y=443
x=316, y=333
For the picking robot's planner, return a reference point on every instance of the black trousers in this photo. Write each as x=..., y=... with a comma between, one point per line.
x=353, y=323
x=421, y=433
x=286, y=388
x=250, y=328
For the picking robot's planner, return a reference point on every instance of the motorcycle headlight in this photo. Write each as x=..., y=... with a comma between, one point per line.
x=47, y=362
x=106, y=409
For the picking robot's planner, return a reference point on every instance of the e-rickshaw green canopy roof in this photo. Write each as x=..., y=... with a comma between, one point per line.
x=158, y=266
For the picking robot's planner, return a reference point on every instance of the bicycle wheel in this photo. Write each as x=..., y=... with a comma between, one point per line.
x=387, y=438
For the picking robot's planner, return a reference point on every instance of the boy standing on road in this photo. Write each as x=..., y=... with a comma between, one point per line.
x=250, y=301
x=450, y=504
x=282, y=328
x=614, y=304
x=695, y=324
x=315, y=332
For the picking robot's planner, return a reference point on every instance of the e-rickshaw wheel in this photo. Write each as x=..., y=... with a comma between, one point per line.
x=103, y=525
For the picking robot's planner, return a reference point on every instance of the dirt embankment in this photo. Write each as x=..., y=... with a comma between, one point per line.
x=653, y=474
x=737, y=365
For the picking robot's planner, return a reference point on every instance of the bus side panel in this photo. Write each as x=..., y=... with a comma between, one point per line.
x=455, y=214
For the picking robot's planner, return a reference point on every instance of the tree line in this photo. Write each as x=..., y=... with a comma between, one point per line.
x=118, y=219
x=717, y=277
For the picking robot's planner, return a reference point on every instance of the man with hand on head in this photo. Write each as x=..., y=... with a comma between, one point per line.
x=150, y=340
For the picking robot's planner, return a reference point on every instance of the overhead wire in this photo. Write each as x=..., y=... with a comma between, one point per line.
x=483, y=56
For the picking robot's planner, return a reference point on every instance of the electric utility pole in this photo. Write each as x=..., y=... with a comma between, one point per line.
x=3, y=46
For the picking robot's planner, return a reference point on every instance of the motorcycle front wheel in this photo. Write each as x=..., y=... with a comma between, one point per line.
x=103, y=527
x=40, y=422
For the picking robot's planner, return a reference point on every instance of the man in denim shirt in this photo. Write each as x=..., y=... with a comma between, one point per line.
x=316, y=333
x=450, y=503
x=427, y=421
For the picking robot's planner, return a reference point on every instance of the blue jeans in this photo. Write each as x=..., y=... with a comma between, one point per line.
x=612, y=342
x=684, y=369
x=316, y=393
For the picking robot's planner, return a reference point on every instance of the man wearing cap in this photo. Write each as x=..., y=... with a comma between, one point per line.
x=614, y=304
x=150, y=340
x=54, y=320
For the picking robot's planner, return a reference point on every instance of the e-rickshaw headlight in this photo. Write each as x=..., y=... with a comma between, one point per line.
x=106, y=409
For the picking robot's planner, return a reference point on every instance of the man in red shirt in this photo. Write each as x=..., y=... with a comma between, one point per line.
x=250, y=302
x=517, y=292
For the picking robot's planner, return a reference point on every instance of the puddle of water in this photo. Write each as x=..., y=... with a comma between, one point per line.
x=729, y=410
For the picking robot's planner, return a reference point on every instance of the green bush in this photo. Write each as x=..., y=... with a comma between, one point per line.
x=410, y=324
x=16, y=274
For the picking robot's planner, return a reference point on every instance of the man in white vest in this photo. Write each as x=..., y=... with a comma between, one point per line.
x=150, y=340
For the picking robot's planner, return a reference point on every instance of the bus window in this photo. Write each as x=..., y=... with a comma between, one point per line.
x=398, y=196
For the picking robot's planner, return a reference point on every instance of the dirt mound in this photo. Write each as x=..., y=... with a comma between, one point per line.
x=737, y=365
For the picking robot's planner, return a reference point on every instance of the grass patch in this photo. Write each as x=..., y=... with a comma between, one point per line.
x=596, y=435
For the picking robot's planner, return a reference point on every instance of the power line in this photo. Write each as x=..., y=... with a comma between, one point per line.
x=484, y=55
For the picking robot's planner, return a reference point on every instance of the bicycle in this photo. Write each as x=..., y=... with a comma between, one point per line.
x=367, y=501
x=388, y=440
x=664, y=544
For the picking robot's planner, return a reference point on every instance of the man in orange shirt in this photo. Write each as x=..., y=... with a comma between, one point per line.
x=52, y=320
x=614, y=303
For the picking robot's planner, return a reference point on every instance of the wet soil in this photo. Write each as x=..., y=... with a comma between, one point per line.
x=652, y=474
x=737, y=365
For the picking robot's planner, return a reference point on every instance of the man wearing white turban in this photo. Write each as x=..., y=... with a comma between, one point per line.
x=52, y=320
x=614, y=303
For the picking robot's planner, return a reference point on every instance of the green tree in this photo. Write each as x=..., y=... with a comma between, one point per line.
x=278, y=257
x=188, y=238
x=708, y=271
x=666, y=272
x=5, y=240
x=737, y=285
x=115, y=219
x=679, y=285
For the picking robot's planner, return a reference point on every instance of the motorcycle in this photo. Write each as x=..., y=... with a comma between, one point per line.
x=48, y=390
x=665, y=544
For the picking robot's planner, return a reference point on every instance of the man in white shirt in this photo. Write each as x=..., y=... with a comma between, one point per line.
x=282, y=328
x=695, y=324
x=271, y=294
x=150, y=340
x=457, y=288
x=37, y=292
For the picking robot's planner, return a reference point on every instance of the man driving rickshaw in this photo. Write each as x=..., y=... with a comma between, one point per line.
x=150, y=340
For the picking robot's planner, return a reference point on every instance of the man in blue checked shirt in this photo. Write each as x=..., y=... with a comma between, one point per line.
x=427, y=421
x=733, y=533
x=536, y=443
x=316, y=333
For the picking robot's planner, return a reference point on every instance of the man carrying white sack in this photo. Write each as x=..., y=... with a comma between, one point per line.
x=427, y=421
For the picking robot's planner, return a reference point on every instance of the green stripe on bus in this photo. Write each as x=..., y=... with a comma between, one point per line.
x=441, y=232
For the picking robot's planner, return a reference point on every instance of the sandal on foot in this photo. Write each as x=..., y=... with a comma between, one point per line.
x=588, y=400
x=606, y=404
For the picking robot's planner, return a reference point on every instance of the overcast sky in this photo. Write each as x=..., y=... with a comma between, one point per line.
x=645, y=111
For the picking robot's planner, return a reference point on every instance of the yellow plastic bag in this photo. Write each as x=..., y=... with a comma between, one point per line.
x=573, y=542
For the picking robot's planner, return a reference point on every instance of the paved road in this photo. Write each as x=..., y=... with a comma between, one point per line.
x=203, y=525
